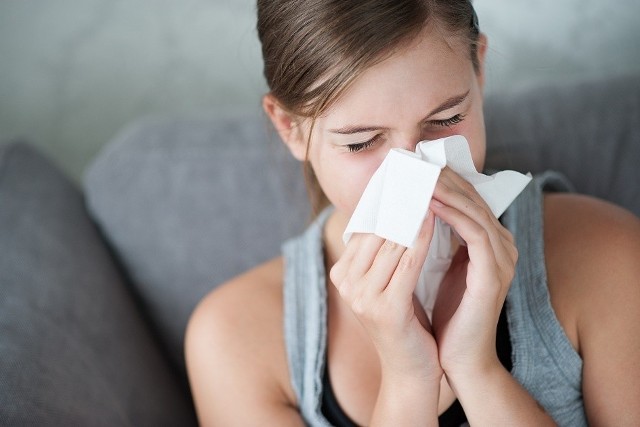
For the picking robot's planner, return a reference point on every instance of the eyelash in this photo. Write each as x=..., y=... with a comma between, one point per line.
x=452, y=121
x=448, y=122
x=354, y=148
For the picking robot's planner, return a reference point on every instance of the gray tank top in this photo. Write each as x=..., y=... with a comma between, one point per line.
x=544, y=361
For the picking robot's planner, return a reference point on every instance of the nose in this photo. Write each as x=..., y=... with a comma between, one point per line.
x=408, y=141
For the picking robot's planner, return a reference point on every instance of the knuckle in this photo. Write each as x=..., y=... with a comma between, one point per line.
x=358, y=307
x=480, y=235
x=514, y=254
x=510, y=237
x=468, y=188
x=364, y=309
x=407, y=262
x=485, y=214
x=481, y=213
x=446, y=189
x=389, y=246
x=345, y=288
x=511, y=252
x=336, y=273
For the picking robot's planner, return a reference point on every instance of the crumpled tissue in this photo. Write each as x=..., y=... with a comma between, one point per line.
x=396, y=199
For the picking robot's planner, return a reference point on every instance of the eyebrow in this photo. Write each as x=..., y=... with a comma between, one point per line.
x=449, y=103
x=446, y=105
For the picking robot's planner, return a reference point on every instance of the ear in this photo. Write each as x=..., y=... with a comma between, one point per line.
x=483, y=42
x=287, y=125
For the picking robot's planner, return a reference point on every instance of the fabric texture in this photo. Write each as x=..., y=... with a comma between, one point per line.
x=74, y=348
x=190, y=203
x=589, y=131
x=543, y=360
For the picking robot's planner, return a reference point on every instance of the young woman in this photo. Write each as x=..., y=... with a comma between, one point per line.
x=532, y=325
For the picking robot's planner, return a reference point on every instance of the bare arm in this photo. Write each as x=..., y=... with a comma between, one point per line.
x=592, y=251
x=376, y=278
x=492, y=397
x=236, y=360
x=601, y=245
x=468, y=308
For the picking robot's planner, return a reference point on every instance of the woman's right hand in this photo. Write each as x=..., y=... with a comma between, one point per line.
x=377, y=278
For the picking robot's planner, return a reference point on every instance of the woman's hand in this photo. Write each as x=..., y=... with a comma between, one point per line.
x=472, y=293
x=377, y=278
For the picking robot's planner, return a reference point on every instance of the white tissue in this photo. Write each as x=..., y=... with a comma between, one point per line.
x=395, y=202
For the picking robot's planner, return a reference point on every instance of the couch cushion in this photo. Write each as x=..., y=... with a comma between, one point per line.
x=191, y=202
x=75, y=349
x=589, y=131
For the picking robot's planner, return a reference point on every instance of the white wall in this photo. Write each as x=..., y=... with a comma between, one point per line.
x=73, y=72
x=534, y=41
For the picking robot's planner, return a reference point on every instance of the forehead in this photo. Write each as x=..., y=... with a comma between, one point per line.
x=417, y=76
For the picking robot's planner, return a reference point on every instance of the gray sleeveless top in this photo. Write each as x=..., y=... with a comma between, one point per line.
x=544, y=361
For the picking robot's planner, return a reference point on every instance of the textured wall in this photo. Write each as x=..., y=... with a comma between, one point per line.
x=73, y=72
x=534, y=41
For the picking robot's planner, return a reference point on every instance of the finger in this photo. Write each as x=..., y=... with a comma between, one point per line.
x=405, y=277
x=383, y=266
x=458, y=184
x=455, y=181
x=476, y=208
x=451, y=194
x=490, y=260
x=367, y=250
x=356, y=259
x=452, y=198
x=480, y=243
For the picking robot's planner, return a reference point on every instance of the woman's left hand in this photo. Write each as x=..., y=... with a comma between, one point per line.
x=472, y=293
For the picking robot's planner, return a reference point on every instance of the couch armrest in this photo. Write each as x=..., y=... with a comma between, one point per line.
x=74, y=348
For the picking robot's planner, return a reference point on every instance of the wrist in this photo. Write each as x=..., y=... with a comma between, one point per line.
x=509, y=398
x=423, y=376
x=480, y=367
x=410, y=383
x=469, y=378
x=409, y=402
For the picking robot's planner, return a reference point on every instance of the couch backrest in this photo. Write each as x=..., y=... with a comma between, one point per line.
x=187, y=203
x=589, y=131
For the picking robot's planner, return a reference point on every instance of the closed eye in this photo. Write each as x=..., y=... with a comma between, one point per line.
x=448, y=122
x=360, y=146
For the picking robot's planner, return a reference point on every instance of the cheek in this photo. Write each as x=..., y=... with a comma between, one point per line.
x=474, y=131
x=478, y=142
x=477, y=136
x=343, y=177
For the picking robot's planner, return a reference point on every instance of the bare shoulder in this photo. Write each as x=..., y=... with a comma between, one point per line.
x=590, y=242
x=235, y=352
x=592, y=251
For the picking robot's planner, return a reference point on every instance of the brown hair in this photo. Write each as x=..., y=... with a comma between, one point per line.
x=314, y=49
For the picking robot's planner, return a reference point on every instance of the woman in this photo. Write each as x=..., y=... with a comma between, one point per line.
x=349, y=80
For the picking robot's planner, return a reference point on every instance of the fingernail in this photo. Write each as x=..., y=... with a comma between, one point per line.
x=436, y=204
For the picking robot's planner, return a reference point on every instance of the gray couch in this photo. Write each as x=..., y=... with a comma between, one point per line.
x=96, y=284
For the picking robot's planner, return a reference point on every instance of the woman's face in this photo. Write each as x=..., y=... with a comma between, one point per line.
x=425, y=91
